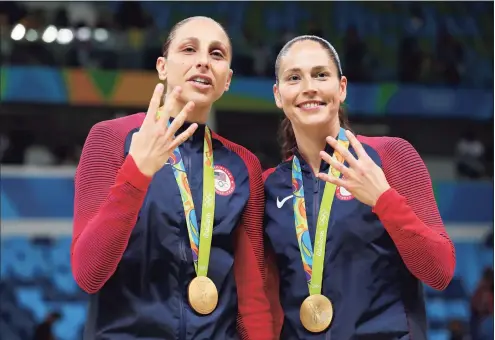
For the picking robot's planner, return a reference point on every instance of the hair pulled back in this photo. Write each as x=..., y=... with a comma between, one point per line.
x=286, y=133
x=175, y=28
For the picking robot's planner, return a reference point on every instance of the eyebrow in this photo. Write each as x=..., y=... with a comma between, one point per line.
x=314, y=68
x=214, y=42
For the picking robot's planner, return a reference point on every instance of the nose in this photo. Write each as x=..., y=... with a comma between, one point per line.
x=309, y=87
x=203, y=61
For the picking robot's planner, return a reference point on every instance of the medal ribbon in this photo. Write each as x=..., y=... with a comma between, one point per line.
x=200, y=240
x=313, y=261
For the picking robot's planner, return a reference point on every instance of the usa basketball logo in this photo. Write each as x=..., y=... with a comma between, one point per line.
x=343, y=194
x=224, y=181
x=174, y=158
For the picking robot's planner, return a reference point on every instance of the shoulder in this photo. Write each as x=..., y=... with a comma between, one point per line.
x=386, y=143
x=105, y=142
x=389, y=148
x=267, y=173
x=275, y=171
x=249, y=159
x=400, y=160
x=279, y=176
x=115, y=129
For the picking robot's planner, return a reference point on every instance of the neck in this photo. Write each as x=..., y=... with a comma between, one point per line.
x=197, y=115
x=312, y=140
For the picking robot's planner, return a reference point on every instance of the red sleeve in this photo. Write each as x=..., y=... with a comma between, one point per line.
x=254, y=321
x=109, y=192
x=273, y=279
x=410, y=215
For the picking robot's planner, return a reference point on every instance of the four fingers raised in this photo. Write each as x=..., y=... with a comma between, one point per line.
x=180, y=119
x=183, y=136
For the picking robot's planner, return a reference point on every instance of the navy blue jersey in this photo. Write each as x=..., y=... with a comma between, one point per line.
x=375, y=257
x=131, y=249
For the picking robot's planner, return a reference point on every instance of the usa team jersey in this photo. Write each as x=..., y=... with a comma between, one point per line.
x=376, y=258
x=131, y=251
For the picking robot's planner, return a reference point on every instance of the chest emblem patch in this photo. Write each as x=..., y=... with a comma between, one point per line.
x=343, y=195
x=224, y=181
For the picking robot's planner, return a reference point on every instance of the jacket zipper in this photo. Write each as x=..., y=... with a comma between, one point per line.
x=316, y=200
x=182, y=249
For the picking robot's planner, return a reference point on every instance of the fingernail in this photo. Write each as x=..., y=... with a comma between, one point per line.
x=159, y=87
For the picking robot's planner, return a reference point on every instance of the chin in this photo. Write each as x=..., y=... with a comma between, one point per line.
x=315, y=119
x=200, y=99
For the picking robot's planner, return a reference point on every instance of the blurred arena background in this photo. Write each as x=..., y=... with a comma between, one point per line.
x=421, y=71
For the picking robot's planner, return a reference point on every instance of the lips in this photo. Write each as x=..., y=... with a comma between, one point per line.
x=201, y=79
x=311, y=104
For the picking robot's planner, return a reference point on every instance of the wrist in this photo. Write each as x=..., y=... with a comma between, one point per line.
x=130, y=173
x=142, y=166
x=379, y=194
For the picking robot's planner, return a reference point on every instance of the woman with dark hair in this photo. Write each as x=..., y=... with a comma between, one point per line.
x=352, y=237
x=168, y=215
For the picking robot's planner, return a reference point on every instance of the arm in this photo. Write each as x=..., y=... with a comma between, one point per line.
x=273, y=279
x=109, y=192
x=272, y=288
x=255, y=321
x=410, y=215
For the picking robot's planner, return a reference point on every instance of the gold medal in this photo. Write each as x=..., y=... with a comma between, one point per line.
x=203, y=295
x=316, y=313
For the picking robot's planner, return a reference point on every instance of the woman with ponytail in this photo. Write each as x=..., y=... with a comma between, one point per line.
x=351, y=221
x=168, y=216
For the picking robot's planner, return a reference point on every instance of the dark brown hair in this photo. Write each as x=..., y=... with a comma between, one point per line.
x=286, y=133
x=181, y=23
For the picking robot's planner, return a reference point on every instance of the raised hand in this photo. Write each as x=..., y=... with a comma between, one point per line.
x=153, y=144
x=363, y=178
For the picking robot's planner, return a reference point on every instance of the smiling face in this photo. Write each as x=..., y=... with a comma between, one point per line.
x=197, y=58
x=310, y=88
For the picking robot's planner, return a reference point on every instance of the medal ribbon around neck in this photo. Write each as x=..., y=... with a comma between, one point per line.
x=313, y=261
x=200, y=240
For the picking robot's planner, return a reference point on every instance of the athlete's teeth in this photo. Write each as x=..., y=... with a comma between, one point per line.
x=199, y=80
x=310, y=105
